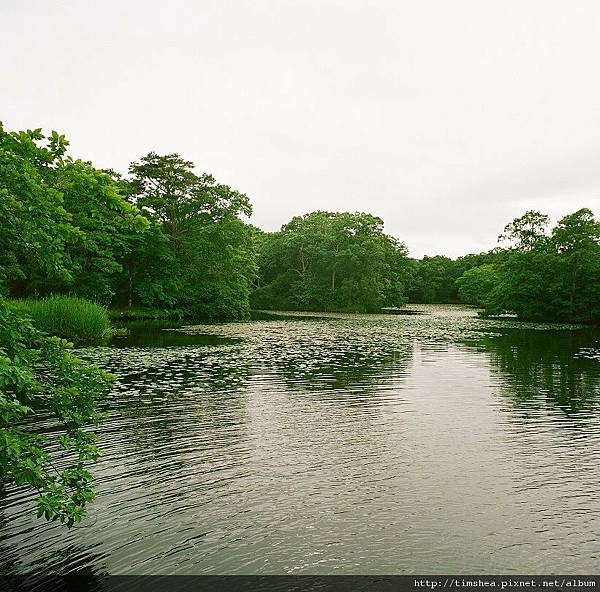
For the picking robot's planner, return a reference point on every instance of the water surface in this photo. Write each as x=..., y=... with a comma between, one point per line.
x=315, y=444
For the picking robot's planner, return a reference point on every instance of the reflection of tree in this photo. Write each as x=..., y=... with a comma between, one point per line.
x=72, y=560
x=343, y=368
x=9, y=560
x=559, y=368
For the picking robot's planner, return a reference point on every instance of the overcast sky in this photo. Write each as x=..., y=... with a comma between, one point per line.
x=446, y=118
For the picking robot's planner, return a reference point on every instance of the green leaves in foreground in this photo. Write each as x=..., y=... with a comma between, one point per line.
x=41, y=376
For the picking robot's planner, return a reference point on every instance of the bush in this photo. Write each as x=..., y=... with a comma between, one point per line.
x=73, y=318
x=40, y=374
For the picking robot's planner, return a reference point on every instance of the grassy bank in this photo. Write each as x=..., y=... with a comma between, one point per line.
x=69, y=317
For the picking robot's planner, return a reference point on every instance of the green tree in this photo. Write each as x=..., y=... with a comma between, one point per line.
x=107, y=225
x=527, y=232
x=553, y=277
x=34, y=224
x=434, y=280
x=576, y=239
x=65, y=226
x=151, y=273
x=477, y=283
x=331, y=261
x=212, y=249
x=40, y=376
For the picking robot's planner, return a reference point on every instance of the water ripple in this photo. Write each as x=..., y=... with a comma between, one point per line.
x=338, y=444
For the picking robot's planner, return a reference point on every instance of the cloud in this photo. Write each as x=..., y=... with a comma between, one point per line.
x=445, y=119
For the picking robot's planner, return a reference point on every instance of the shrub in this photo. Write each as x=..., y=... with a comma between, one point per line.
x=41, y=375
x=69, y=317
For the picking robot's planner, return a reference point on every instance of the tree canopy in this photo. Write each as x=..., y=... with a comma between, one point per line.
x=164, y=237
x=207, y=248
x=551, y=275
x=332, y=261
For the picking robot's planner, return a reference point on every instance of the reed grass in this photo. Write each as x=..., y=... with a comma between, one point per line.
x=69, y=317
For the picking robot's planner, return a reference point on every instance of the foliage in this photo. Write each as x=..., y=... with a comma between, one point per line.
x=40, y=376
x=207, y=262
x=476, y=284
x=541, y=275
x=107, y=225
x=170, y=238
x=68, y=317
x=34, y=225
x=435, y=278
x=333, y=262
x=151, y=275
x=165, y=238
x=64, y=225
x=527, y=232
x=555, y=276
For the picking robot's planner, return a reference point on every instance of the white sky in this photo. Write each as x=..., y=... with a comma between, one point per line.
x=447, y=118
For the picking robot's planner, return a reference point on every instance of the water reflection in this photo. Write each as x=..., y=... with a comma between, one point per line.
x=321, y=354
x=355, y=444
x=160, y=334
x=548, y=368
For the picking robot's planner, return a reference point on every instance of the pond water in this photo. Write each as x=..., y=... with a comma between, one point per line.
x=345, y=444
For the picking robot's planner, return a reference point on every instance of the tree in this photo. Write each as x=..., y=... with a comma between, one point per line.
x=107, y=226
x=576, y=239
x=552, y=277
x=434, y=280
x=331, y=261
x=40, y=375
x=151, y=274
x=527, y=232
x=476, y=284
x=212, y=250
x=65, y=226
x=34, y=224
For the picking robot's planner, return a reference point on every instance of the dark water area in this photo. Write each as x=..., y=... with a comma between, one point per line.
x=337, y=444
x=159, y=334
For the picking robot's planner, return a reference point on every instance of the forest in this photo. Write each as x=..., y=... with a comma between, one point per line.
x=166, y=238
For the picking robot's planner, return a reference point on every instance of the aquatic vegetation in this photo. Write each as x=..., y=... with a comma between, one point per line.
x=68, y=317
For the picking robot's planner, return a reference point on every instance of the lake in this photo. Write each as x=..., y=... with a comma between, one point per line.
x=343, y=444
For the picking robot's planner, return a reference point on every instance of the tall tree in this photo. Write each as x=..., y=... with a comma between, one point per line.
x=553, y=277
x=528, y=231
x=211, y=246
x=65, y=226
x=34, y=224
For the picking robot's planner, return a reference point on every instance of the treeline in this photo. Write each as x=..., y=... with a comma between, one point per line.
x=545, y=274
x=434, y=280
x=542, y=274
x=165, y=237
x=345, y=262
